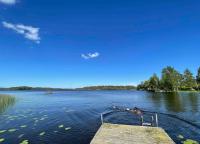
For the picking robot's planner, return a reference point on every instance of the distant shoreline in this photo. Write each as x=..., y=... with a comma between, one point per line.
x=27, y=88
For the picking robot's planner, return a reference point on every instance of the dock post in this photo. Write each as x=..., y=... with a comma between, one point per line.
x=156, y=119
x=142, y=120
x=152, y=119
x=101, y=118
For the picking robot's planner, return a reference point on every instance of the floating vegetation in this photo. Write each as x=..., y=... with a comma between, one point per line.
x=2, y=131
x=60, y=126
x=24, y=142
x=42, y=119
x=12, y=117
x=42, y=133
x=12, y=130
x=23, y=126
x=6, y=101
x=36, y=121
x=180, y=137
x=68, y=128
x=190, y=141
x=2, y=139
x=21, y=135
x=67, y=111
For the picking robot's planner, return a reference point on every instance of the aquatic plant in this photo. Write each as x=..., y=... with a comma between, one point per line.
x=23, y=126
x=42, y=118
x=24, y=142
x=42, y=133
x=180, y=136
x=12, y=130
x=190, y=141
x=21, y=135
x=6, y=101
x=36, y=121
x=68, y=128
x=2, y=131
x=2, y=139
x=61, y=126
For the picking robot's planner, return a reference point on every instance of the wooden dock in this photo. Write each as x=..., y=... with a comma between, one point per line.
x=128, y=134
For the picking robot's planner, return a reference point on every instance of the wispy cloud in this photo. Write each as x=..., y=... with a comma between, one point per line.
x=28, y=32
x=8, y=2
x=90, y=55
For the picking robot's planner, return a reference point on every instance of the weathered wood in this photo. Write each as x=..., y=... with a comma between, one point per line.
x=128, y=134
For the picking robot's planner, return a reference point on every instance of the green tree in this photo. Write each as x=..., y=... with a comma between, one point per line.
x=189, y=81
x=170, y=79
x=143, y=86
x=198, y=76
x=153, y=83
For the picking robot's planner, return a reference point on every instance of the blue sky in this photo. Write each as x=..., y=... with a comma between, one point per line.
x=67, y=43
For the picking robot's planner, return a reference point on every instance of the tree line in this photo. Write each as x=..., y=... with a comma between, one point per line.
x=28, y=88
x=103, y=87
x=171, y=80
x=107, y=87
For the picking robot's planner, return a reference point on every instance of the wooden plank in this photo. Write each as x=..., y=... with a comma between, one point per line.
x=128, y=134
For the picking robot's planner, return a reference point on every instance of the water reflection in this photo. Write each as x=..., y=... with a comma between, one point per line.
x=6, y=101
x=176, y=102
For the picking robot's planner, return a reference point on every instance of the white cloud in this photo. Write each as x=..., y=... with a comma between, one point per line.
x=90, y=55
x=8, y=2
x=28, y=32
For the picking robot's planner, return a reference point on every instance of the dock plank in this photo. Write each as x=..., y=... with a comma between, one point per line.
x=128, y=134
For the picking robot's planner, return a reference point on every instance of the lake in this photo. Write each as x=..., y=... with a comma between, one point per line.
x=73, y=117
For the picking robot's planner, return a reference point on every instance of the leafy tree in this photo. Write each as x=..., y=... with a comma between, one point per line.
x=198, y=76
x=171, y=79
x=143, y=86
x=153, y=83
x=188, y=80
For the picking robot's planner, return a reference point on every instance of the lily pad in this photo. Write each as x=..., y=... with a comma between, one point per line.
x=24, y=142
x=68, y=128
x=21, y=135
x=42, y=119
x=180, y=136
x=61, y=126
x=2, y=131
x=1, y=140
x=35, y=121
x=12, y=130
x=23, y=126
x=190, y=141
x=42, y=133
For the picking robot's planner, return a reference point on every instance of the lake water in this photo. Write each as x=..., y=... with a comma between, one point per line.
x=73, y=117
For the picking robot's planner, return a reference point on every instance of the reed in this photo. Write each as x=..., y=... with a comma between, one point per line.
x=6, y=101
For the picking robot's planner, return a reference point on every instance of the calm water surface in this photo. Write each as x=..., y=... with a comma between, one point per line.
x=73, y=117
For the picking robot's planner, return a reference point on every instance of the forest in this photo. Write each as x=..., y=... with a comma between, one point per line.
x=171, y=81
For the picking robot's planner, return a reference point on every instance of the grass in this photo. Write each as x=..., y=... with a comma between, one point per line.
x=6, y=101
